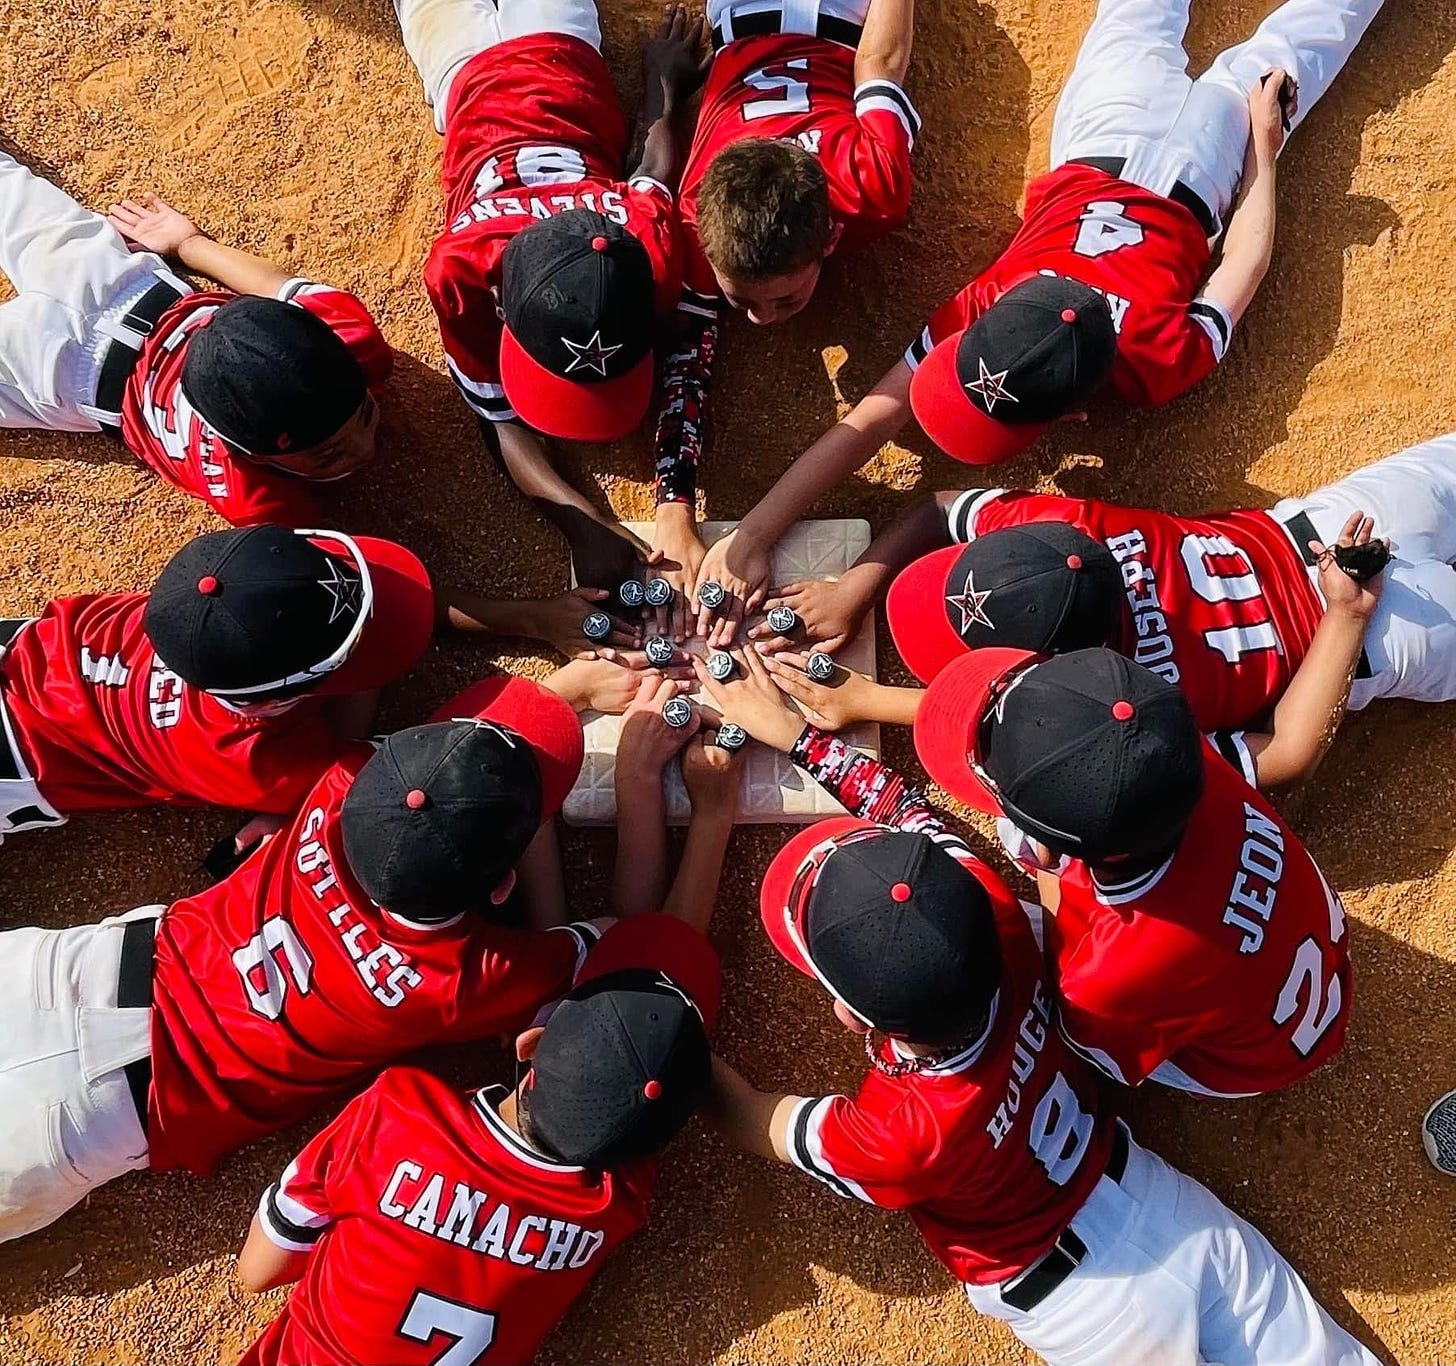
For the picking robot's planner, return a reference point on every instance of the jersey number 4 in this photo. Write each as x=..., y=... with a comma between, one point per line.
x=784, y=92
x=1104, y=226
x=468, y=1331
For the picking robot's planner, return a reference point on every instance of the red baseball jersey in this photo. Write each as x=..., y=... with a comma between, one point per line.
x=103, y=723
x=1145, y=254
x=437, y=1235
x=990, y=1152
x=162, y=429
x=285, y=986
x=533, y=129
x=1224, y=971
x=800, y=88
x=1222, y=605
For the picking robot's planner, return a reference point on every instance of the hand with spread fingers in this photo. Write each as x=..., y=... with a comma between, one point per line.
x=558, y=621
x=750, y=698
x=647, y=741
x=710, y=774
x=607, y=684
x=846, y=698
x=830, y=612
x=679, y=552
x=1350, y=570
x=742, y=567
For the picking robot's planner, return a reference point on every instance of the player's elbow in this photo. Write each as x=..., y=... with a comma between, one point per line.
x=252, y=1278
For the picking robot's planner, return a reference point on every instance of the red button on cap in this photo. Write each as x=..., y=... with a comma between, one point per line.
x=1123, y=711
x=901, y=892
x=600, y=243
x=653, y=1089
x=416, y=799
x=208, y=585
x=1074, y=561
x=1069, y=315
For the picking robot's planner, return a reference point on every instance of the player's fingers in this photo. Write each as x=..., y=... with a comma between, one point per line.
x=623, y=639
x=751, y=602
x=728, y=624
x=752, y=663
x=711, y=716
x=710, y=684
x=1363, y=533
x=792, y=682
x=132, y=206
x=1352, y=525
x=795, y=659
x=774, y=645
x=636, y=660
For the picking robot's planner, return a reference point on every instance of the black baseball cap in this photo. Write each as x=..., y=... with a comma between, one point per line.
x=1089, y=753
x=267, y=611
x=890, y=924
x=580, y=304
x=270, y=377
x=625, y=1060
x=985, y=394
x=1044, y=586
x=439, y=815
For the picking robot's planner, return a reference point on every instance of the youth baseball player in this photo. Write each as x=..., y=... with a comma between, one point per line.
x=555, y=269
x=802, y=149
x=1108, y=280
x=1193, y=939
x=240, y=396
x=265, y=633
x=981, y=1123
x=168, y=1037
x=423, y=1218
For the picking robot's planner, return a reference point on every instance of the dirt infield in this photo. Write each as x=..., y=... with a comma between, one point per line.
x=297, y=129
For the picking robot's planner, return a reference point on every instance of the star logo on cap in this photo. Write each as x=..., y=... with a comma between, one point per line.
x=344, y=588
x=992, y=388
x=972, y=606
x=592, y=355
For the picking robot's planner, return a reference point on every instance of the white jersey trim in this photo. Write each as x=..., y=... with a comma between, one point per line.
x=1120, y=893
x=647, y=184
x=288, y=1222
x=486, y=1100
x=1214, y=319
x=921, y=347
x=1233, y=747
x=886, y=95
x=806, y=1148
x=489, y=400
x=1167, y=1073
x=960, y=517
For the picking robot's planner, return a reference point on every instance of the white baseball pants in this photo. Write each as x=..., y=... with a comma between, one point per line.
x=1172, y=1277
x=1130, y=95
x=442, y=35
x=798, y=16
x=67, y=1120
x=74, y=278
x=1411, y=640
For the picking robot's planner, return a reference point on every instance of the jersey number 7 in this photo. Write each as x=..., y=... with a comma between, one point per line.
x=469, y=1332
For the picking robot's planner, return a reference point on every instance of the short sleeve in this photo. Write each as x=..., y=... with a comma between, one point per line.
x=348, y=317
x=961, y=517
x=516, y=973
x=297, y=1208
x=874, y=98
x=1233, y=747
x=652, y=219
x=1187, y=354
x=247, y=495
x=470, y=331
x=858, y=1148
x=955, y=315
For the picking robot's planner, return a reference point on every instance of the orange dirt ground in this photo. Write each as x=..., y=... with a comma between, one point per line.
x=297, y=129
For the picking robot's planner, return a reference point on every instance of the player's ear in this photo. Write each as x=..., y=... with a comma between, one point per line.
x=527, y=1042
x=505, y=887
x=835, y=233
x=849, y=1019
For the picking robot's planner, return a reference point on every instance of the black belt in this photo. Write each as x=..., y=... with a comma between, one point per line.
x=761, y=22
x=120, y=359
x=1032, y=1286
x=134, y=992
x=1179, y=194
x=1301, y=532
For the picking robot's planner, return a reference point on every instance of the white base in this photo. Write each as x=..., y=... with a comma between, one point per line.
x=774, y=791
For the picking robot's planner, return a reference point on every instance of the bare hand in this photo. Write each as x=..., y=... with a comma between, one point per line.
x=680, y=552
x=607, y=685
x=558, y=621
x=743, y=567
x=603, y=555
x=845, y=699
x=152, y=224
x=1341, y=592
x=710, y=774
x=830, y=614
x=258, y=831
x=677, y=56
x=751, y=698
x=647, y=742
x=1271, y=107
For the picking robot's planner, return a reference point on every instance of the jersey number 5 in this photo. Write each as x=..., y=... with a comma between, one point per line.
x=1104, y=226
x=785, y=92
x=470, y=1331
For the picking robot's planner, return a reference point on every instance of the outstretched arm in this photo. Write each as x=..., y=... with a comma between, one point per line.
x=674, y=65
x=883, y=53
x=1248, y=245
x=711, y=774
x=263, y=1265
x=756, y=1121
x=154, y=225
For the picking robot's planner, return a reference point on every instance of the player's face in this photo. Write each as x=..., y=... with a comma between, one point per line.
x=774, y=299
x=349, y=449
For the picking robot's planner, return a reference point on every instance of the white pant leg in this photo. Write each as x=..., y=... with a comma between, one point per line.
x=1172, y=1277
x=67, y=1120
x=442, y=35
x=1411, y=640
x=1129, y=82
x=798, y=16
x=70, y=269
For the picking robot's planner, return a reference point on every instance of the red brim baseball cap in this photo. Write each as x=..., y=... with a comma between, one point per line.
x=783, y=896
x=545, y=721
x=949, y=718
x=953, y=422
x=915, y=610
x=400, y=625
x=661, y=943
x=604, y=411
